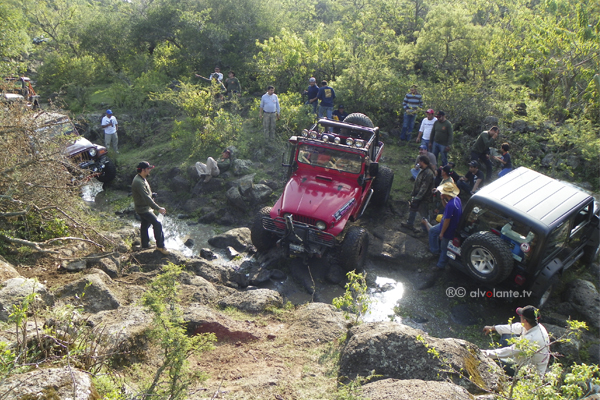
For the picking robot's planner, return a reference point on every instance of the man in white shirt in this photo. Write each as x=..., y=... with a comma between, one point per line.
x=269, y=111
x=110, y=125
x=425, y=129
x=530, y=329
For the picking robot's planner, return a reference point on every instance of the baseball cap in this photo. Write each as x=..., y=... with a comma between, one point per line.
x=108, y=112
x=144, y=165
x=441, y=113
x=529, y=312
x=340, y=106
x=312, y=80
x=474, y=164
x=430, y=111
x=422, y=147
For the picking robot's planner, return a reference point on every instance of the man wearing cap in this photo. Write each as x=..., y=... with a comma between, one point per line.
x=143, y=204
x=481, y=150
x=473, y=180
x=340, y=114
x=530, y=329
x=269, y=107
x=425, y=129
x=312, y=92
x=422, y=152
x=412, y=103
x=441, y=234
x=213, y=168
x=110, y=125
x=442, y=136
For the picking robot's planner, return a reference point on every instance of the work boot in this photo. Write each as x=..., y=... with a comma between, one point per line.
x=163, y=250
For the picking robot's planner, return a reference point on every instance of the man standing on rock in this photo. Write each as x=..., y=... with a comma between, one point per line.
x=481, y=150
x=143, y=203
x=110, y=125
x=529, y=329
x=412, y=103
x=269, y=112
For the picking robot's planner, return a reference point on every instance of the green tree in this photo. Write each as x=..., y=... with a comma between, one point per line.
x=14, y=41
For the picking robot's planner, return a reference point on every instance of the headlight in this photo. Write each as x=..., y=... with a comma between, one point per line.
x=305, y=132
x=325, y=138
x=321, y=225
x=336, y=140
x=349, y=141
x=93, y=152
x=313, y=134
x=359, y=143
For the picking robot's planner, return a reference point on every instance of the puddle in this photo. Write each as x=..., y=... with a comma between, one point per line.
x=385, y=297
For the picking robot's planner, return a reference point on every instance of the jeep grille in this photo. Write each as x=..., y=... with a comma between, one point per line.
x=303, y=219
x=81, y=156
x=310, y=233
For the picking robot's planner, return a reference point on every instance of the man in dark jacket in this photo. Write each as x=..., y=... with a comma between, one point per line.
x=422, y=193
x=481, y=150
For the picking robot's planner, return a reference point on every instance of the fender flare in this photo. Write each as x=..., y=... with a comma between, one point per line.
x=545, y=275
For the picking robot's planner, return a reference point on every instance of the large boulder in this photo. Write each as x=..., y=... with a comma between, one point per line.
x=15, y=290
x=234, y=197
x=584, y=300
x=391, y=350
x=317, y=323
x=238, y=238
x=567, y=351
x=201, y=319
x=253, y=301
x=241, y=167
x=49, y=383
x=217, y=273
x=395, y=245
x=7, y=271
x=91, y=291
x=413, y=389
x=260, y=193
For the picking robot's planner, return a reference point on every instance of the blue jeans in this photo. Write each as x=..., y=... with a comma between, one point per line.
x=414, y=172
x=150, y=219
x=483, y=159
x=504, y=172
x=425, y=142
x=464, y=186
x=407, y=126
x=437, y=246
x=326, y=110
x=437, y=149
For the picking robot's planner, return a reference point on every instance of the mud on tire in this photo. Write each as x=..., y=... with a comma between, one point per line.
x=359, y=119
x=354, y=249
x=382, y=186
x=261, y=238
x=488, y=258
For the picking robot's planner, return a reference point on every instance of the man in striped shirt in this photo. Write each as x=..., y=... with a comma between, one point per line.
x=413, y=101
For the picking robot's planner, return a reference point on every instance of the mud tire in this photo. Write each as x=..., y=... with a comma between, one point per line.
x=261, y=238
x=109, y=172
x=359, y=119
x=354, y=249
x=382, y=186
x=487, y=257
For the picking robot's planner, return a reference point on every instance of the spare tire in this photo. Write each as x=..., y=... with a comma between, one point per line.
x=359, y=119
x=488, y=258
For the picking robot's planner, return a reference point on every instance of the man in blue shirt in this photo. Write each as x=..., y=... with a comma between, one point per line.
x=340, y=114
x=326, y=95
x=269, y=106
x=312, y=92
x=441, y=234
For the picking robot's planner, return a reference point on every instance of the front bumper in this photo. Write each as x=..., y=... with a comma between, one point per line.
x=299, y=237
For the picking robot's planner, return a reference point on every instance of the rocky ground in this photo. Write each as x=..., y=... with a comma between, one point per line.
x=276, y=340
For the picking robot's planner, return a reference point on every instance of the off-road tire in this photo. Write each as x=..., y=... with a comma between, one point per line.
x=590, y=254
x=487, y=257
x=354, y=249
x=540, y=298
x=359, y=119
x=382, y=186
x=109, y=172
x=261, y=238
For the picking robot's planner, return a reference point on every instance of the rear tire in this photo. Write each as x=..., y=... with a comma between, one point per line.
x=261, y=238
x=359, y=119
x=109, y=172
x=487, y=257
x=355, y=246
x=382, y=186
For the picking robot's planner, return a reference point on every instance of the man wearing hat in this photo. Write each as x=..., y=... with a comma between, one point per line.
x=340, y=114
x=212, y=167
x=312, y=92
x=144, y=204
x=442, y=136
x=422, y=152
x=425, y=129
x=530, y=329
x=473, y=180
x=441, y=234
x=110, y=125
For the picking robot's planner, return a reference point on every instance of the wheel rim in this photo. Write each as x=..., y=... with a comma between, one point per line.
x=483, y=261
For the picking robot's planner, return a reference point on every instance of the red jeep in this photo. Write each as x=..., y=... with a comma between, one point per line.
x=334, y=174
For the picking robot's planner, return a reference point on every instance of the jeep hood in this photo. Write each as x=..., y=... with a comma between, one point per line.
x=313, y=197
x=80, y=145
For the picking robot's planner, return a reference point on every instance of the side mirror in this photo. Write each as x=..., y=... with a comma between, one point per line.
x=374, y=169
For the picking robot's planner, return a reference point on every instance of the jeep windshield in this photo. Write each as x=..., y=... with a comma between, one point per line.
x=330, y=158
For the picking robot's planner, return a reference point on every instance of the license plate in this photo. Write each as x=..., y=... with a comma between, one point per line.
x=453, y=248
x=451, y=255
x=296, y=247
